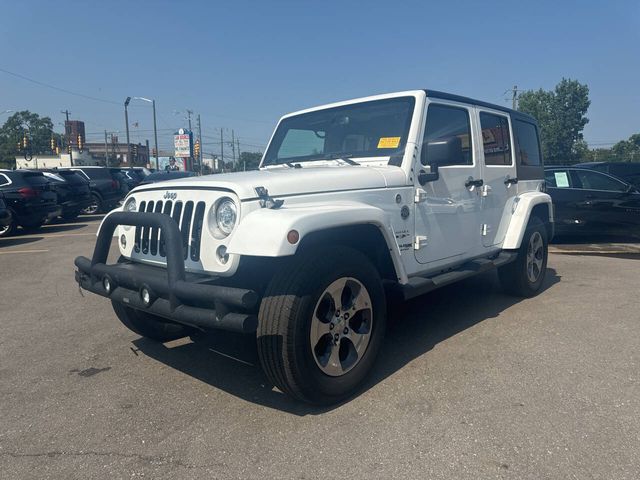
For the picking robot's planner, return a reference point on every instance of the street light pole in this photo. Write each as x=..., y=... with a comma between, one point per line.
x=155, y=127
x=155, y=134
x=126, y=121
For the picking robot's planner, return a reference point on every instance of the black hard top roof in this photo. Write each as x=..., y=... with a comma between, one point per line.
x=480, y=103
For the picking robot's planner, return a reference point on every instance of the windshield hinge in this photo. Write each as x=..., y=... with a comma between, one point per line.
x=265, y=199
x=421, y=195
x=419, y=242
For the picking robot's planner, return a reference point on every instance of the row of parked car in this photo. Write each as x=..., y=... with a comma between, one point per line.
x=30, y=198
x=595, y=199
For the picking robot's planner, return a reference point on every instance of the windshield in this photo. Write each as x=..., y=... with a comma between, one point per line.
x=370, y=129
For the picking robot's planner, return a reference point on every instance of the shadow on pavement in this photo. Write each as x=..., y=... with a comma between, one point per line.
x=13, y=241
x=592, y=239
x=425, y=322
x=63, y=228
x=88, y=218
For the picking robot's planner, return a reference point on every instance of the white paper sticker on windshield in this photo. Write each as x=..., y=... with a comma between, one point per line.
x=562, y=180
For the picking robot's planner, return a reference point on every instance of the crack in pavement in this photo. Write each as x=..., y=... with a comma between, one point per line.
x=153, y=460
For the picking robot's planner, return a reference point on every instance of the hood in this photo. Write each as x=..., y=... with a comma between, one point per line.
x=292, y=181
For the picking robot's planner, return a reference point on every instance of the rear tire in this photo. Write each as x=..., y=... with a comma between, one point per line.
x=70, y=216
x=149, y=326
x=321, y=324
x=8, y=230
x=96, y=205
x=525, y=275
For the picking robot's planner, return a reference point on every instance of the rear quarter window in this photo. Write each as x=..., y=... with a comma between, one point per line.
x=527, y=144
x=97, y=173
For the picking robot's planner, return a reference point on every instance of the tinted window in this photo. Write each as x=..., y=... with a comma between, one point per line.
x=444, y=122
x=72, y=178
x=557, y=179
x=3, y=180
x=97, y=173
x=588, y=180
x=528, y=152
x=33, y=178
x=495, y=139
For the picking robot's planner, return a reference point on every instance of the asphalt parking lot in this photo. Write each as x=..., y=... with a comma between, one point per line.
x=470, y=384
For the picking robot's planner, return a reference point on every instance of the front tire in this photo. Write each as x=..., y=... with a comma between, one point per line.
x=321, y=324
x=149, y=326
x=525, y=275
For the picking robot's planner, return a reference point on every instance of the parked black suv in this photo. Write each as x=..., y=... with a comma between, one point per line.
x=627, y=171
x=105, y=188
x=29, y=197
x=74, y=194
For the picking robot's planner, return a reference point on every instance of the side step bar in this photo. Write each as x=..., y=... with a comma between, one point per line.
x=420, y=285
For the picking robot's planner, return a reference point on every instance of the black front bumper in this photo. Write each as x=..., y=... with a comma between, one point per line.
x=182, y=297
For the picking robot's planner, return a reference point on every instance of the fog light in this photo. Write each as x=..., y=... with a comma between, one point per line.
x=145, y=296
x=106, y=283
x=223, y=256
x=123, y=241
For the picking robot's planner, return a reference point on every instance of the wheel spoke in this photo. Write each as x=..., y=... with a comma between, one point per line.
x=335, y=291
x=319, y=328
x=334, y=367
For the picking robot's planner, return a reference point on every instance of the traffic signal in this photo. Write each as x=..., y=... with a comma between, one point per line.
x=79, y=142
x=25, y=141
x=69, y=149
x=135, y=152
x=53, y=144
x=196, y=149
x=19, y=146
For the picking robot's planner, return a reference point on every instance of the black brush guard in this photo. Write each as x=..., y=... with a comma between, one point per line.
x=182, y=297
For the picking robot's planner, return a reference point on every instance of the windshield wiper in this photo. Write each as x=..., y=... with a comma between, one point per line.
x=345, y=157
x=293, y=165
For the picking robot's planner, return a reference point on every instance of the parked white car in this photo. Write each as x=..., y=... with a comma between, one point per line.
x=403, y=193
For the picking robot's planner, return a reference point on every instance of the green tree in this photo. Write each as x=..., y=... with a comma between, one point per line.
x=250, y=160
x=628, y=150
x=561, y=114
x=39, y=131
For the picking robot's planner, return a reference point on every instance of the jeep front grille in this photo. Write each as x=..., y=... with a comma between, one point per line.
x=190, y=220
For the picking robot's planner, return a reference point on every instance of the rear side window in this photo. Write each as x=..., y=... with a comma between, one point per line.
x=495, y=139
x=4, y=180
x=97, y=173
x=33, y=178
x=444, y=122
x=528, y=147
x=589, y=180
x=73, y=178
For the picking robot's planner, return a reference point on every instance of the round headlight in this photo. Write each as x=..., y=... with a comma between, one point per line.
x=130, y=205
x=226, y=215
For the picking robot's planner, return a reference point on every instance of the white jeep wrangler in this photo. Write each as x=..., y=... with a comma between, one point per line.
x=400, y=193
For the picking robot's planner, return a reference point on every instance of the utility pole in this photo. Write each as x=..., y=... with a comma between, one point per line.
x=106, y=150
x=200, y=141
x=126, y=121
x=244, y=163
x=233, y=147
x=155, y=135
x=149, y=156
x=514, y=98
x=67, y=113
x=221, y=149
x=189, y=113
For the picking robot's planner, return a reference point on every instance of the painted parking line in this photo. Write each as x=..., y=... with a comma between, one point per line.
x=7, y=252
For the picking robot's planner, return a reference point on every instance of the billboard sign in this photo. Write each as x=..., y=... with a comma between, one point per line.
x=182, y=143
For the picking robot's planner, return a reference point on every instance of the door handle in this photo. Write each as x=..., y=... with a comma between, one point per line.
x=510, y=181
x=473, y=183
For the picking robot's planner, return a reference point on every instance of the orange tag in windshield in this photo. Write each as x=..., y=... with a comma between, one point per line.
x=389, y=142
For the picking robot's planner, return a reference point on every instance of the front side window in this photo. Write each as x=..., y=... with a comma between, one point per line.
x=495, y=139
x=445, y=122
x=589, y=180
x=528, y=147
x=377, y=128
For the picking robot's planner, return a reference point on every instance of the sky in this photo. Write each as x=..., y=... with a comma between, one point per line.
x=241, y=65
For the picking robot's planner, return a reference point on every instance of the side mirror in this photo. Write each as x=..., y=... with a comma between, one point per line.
x=439, y=153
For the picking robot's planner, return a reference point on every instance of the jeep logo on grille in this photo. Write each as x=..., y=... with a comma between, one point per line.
x=170, y=195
